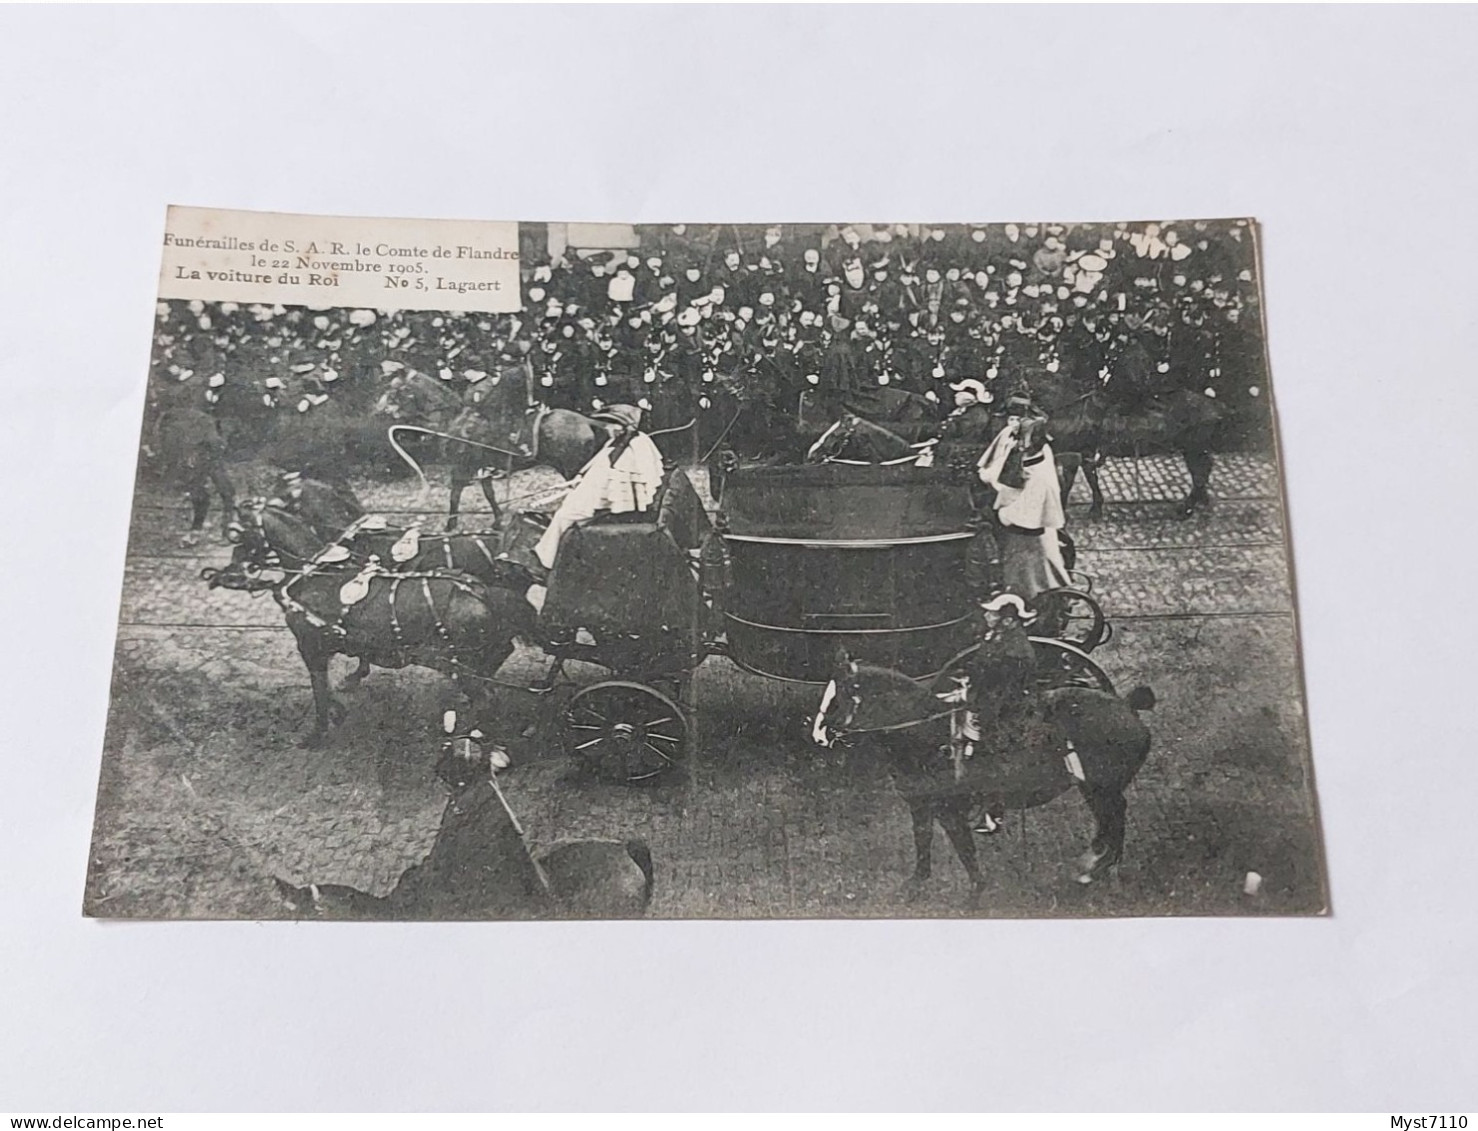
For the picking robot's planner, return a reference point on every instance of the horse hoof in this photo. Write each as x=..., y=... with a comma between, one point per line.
x=1092, y=865
x=315, y=740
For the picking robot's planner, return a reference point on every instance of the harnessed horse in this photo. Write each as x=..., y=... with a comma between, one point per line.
x=911, y=725
x=1090, y=424
x=448, y=621
x=336, y=518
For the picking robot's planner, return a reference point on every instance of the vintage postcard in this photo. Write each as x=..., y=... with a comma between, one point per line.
x=507, y=570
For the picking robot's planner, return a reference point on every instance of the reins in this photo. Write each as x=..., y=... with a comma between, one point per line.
x=908, y=724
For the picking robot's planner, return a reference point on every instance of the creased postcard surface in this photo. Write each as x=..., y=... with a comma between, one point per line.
x=503, y=570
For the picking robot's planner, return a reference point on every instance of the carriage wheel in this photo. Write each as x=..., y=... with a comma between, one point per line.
x=626, y=732
x=1073, y=616
x=1060, y=664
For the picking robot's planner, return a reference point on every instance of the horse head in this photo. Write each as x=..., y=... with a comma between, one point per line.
x=839, y=702
x=500, y=385
x=414, y=397
x=834, y=440
x=502, y=398
x=855, y=439
x=251, y=553
x=467, y=754
x=265, y=537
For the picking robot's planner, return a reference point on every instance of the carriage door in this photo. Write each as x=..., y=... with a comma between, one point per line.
x=849, y=598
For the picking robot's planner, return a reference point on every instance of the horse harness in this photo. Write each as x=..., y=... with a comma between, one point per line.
x=357, y=588
x=963, y=734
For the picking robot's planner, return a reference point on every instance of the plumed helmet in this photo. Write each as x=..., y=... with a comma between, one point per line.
x=1010, y=603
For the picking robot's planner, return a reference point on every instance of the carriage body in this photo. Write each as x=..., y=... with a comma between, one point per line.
x=875, y=559
x=886, y=562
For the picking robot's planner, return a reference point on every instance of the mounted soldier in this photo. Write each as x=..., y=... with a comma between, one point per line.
x=968, y=430
x=1001, y=717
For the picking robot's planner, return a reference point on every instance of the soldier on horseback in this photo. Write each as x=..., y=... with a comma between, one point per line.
x=1000, y=716
x=966, y=432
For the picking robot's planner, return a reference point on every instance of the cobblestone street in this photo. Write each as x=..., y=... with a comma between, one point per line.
x=208, y=794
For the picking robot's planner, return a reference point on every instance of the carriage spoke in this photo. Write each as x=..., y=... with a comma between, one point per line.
x=665, y=757
x=617, y=728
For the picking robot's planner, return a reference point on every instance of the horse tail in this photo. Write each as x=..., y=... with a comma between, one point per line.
x=1140, y=699
x=642, y=856
x=405, y=455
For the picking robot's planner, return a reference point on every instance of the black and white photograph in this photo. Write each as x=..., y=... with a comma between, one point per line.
x=763, y=557
x=724, y=571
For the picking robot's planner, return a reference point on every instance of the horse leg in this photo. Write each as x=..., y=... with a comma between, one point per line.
x=1067, y=471
x=556, y=669
x=356, y=677
x=485, y=481
x=923, y=849
x=1198, y=461
x=225, y=488
x=955, y=817
x=199, y=498
x=1108, y=807
x=474, y=679
x=325, y=707
x=1090, y=473
x=454, y=505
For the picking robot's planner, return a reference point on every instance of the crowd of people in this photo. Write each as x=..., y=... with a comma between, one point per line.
x=772, y=318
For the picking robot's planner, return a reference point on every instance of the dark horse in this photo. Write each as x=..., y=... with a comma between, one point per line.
x=855, y=440
x=1093, y=424
x=498, y=428
x=480, y=866
x=192, y=452
x=438, y=619
x=337, y=518
x=910, y=724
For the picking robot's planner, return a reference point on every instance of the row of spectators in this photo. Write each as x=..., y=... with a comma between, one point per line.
x=688, y=317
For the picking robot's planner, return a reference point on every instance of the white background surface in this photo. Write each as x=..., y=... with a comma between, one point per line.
x=1349, y=133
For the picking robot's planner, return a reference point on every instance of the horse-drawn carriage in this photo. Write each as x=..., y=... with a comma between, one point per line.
x=884, y=562
x=866, y=577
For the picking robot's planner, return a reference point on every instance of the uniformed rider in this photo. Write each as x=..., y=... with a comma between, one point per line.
x=1001, y=696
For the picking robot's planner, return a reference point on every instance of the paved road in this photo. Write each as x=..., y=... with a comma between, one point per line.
x=207, y=793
